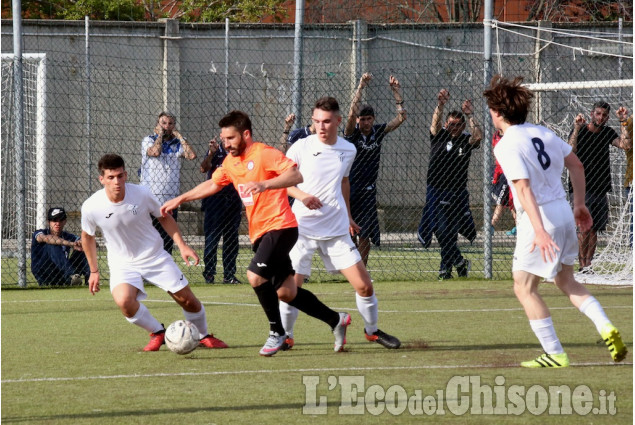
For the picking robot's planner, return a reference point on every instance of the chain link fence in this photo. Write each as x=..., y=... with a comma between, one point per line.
x=93, y=88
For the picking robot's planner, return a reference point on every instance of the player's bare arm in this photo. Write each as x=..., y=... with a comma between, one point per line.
x=203, y=190
x=353, y=228
x=576, y=173
x=310, y=201
x=357, y=98
x=187, y=148
x=542, y=239
x=89, y=245
x=155, y=149
x=54, y=240
x=291, y=177
x=437, y=115
x=172, y=228
x=288, y=122
x=624, y=141
x=206, y=165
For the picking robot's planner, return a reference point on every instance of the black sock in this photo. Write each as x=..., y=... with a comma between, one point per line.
x=308, y=303
x=269, y=301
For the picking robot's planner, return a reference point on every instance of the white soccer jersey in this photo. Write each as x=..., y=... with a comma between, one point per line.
x=533, y=152
x=127, y=225
x=323, y=167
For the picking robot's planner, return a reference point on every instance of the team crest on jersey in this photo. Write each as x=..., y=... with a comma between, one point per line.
x=133, y=208
x=250, y=165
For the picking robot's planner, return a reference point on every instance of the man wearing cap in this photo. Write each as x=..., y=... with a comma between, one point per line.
x=52, y=262
x=367, y=137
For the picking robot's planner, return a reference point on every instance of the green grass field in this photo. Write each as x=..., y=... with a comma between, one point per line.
x=71, y=358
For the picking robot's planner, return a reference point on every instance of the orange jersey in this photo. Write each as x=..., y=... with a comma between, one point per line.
x=270, y=209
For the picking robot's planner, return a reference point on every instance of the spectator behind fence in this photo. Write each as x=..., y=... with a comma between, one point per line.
x=447, y=209
x=500, y=191
x=325, y=224
x=289, y=137
x=261, y=175
x=161, y=168
x=57, y=257
x=222, y=219
x=533, y=159
x=591, y=143
x=626, y=133
x=367, y=137
x=123, y=212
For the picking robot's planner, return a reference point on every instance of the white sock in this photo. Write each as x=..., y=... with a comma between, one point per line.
x=367, y=307
x=199, y=320
x=544, y=330
x=144, y=319
x=289, y=315
x=592, y=308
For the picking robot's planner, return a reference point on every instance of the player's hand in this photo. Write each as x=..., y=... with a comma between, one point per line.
x=93, y=283
x=583, y=218
x=579, y=121
x=394, y=83
x=467, y=107
x=255, y=187
x=169, y=206
x=312, y=202
x=213, y=146
x=366, y=77
x=353, y=227
x=622, y=113
x=443, y=96
x=289, y=120
x=77, y=245
x=189, y=255
x=546, y=245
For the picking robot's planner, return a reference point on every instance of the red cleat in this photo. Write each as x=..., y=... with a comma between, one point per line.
x=156, y=341
x=288, y=344
x=210, y=342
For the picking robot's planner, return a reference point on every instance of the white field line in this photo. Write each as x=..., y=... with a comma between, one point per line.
x=474, y=310
x=268, y=371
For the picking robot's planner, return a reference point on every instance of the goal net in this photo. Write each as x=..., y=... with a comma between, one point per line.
x=34, y=119
x=556, y=106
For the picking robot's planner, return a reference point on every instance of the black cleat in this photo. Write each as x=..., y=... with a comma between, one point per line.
x=384, y=339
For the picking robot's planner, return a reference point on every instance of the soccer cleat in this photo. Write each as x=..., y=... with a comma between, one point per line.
x=77, y=280
x=231, y=281
x=287, y=344
x=445, y=275
x=613, y=341
x=273, y=344
x=209, y=341
x=340, y=331
x=463, y=269
x=548, y=360
x=384, y=339
x=156, y=341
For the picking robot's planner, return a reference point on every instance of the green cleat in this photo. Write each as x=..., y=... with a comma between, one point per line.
x=613, y=341
x=548, y=360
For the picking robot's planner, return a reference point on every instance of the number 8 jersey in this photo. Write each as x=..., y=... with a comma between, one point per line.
x=533, y=152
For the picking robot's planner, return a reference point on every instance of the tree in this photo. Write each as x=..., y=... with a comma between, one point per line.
x=218, y=10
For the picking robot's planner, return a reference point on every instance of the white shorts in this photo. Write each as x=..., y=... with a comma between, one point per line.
x=160, y=270
x=558, y=220
x=337, y=253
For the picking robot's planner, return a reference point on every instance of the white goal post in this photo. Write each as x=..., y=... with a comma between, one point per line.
x=34, y=119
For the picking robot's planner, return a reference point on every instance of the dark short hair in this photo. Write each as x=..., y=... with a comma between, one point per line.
x=509, y=98
x=327, y=103
x=238, y=119
x=602, y=104
x=110, y=161
x=167, y=114
x=366, y=111
x=456, y=114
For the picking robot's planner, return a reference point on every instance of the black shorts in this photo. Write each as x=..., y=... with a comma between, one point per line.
x=364, y=212
x=598, y=206
x=272, y=260
x=500, y=192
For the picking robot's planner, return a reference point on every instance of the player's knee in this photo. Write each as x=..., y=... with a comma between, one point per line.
x=128, y=306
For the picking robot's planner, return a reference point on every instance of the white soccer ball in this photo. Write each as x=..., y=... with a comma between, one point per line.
x=182, y=337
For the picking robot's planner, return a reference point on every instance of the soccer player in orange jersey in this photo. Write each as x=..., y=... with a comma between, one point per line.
x=261, y=175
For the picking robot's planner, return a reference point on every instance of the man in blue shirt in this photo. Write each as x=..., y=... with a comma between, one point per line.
x=52, y=262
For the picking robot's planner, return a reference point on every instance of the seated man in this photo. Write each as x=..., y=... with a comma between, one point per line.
x=52, y=262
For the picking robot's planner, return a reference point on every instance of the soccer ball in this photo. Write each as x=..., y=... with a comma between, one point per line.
x=182, y=337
